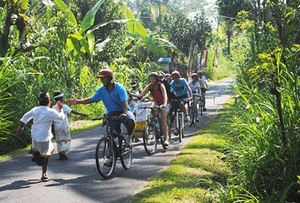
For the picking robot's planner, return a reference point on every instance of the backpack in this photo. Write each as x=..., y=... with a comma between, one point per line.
x=169, y=90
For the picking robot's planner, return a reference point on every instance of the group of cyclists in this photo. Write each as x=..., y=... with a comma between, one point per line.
x=165, y=87
x=115, y=96
x=162, y=88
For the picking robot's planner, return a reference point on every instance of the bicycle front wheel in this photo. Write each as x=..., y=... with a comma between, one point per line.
x=125, y=153
x=105, y=157
x=150, y=139
x=180, y=125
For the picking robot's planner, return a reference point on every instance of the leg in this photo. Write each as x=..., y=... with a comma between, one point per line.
x=164, y=124
x=45, y=176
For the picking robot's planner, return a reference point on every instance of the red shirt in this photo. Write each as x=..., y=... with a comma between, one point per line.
x=156, y=93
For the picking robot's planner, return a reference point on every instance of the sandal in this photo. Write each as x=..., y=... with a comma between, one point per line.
x=45, y=179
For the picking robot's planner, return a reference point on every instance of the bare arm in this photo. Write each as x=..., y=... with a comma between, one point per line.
x=78, y=113
x=74, y=101
x=190, y=90
x=142, y=94
x=164, y=93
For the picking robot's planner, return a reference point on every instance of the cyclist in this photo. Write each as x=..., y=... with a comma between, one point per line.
x=115, y=99
x=196, y=90
x=160, y=98
x=203, y=85
x=181, y=90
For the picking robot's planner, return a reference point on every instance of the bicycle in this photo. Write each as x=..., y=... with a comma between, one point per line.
x=111, y=147
x=193, y=108
x=154, y=132
x=177, y=114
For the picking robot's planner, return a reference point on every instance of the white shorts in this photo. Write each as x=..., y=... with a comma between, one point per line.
x=63, y=146
x=46, y=149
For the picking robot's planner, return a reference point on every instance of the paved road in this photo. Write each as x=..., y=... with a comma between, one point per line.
x=77, y=179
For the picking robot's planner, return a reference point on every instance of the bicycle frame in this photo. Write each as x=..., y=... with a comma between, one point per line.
x=110, y=147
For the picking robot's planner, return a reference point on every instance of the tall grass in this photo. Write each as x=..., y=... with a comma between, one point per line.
x=265, y=159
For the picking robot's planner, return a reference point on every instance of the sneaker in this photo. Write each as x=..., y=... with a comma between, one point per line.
x=187, y=118
x=197, y=120
x=108, y=163
x=128, y=140
x=166, y=144
x=45, y=178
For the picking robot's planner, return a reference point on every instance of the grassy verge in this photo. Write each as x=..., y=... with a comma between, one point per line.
x=191, y=174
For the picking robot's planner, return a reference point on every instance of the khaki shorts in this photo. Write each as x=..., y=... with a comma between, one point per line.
x=46, y=149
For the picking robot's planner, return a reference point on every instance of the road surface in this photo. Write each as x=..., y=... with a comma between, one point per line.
x=77, y=179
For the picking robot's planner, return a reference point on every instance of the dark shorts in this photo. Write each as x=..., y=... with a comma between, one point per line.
x=115, y=124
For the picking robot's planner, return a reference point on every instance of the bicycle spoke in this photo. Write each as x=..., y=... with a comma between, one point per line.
x=105, y=157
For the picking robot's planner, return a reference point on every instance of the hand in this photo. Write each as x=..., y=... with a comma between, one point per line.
x=72, y=101
x=162, y=106
x=59, y=105
x=20, y=130
x=123, y=116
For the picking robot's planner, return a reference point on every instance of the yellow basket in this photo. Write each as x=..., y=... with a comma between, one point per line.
x=140, y=128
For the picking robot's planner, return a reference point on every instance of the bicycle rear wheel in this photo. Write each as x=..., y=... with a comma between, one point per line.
x=150, y=139
x=105, y=157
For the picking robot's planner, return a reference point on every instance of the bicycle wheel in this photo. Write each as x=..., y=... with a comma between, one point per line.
x=125, y=151
x=192, y=115
x=180, y=125
x=169, y=123
x=150, y=139
x=201, y=106
x=105, y=157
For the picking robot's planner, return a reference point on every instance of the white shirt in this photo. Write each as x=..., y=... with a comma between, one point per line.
x=42, y=116
x=63, y=124
x=194, y=87
x=203, y=81
x=141, y=111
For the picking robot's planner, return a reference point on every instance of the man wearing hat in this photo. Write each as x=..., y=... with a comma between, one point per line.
x=115, y=99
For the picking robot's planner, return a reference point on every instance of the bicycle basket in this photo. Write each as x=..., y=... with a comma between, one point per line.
x=139, y=128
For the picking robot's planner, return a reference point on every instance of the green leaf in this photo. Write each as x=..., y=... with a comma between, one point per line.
x=88, y=20
x=134, y=27
x=24, y=5
x=62, y=6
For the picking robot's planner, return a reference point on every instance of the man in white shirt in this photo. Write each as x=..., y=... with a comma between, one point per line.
x=41, y=135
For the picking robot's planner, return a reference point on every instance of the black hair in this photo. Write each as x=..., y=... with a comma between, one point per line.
x=44, y=98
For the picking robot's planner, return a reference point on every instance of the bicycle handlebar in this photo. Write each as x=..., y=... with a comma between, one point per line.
x=106, y=117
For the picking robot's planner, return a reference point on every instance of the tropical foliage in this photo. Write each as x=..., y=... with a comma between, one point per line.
x=61, y=45
x=265, y=123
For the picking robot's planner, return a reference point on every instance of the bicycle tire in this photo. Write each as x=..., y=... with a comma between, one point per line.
x=105, y=151
x=150, y=139
x=180, y=126
x=192, y=115
x=201, y=105
x=125, y=151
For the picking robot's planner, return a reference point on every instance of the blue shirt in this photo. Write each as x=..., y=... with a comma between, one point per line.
x=180, y=88
x=113, y=101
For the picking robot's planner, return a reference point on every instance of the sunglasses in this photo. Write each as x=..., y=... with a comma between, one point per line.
x=175, y=78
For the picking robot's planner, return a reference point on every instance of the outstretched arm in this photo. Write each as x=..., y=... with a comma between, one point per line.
x=74, y=101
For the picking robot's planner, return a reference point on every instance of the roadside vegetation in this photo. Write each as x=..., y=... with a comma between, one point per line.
x=199, y=172
x=45, y=46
